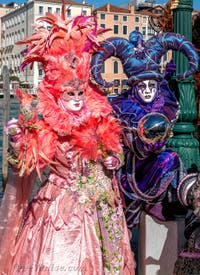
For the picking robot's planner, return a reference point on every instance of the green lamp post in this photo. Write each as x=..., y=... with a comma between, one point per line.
x=183, y=141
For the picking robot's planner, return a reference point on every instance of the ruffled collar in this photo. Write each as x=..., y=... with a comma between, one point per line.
x=62, y=122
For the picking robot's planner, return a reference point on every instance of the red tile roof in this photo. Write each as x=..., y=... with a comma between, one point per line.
x=67, y=2
x=113, y=9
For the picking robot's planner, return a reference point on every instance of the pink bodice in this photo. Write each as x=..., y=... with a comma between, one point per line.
x=89, y=180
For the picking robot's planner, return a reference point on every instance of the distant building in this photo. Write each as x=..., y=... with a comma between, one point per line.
x=18, y=24
x=3, y=10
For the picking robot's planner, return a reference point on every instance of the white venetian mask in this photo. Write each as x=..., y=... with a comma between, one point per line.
x=72, y=99
x=147, y=90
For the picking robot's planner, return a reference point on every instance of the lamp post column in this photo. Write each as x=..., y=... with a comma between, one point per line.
x=183, y=141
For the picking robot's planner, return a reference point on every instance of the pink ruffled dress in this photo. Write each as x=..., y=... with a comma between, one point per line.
x=75, y=224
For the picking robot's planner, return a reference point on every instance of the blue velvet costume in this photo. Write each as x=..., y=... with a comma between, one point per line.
x=147, y=173
x=150, y=169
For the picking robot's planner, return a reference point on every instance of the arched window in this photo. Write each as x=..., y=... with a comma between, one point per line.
x=115, y=67
x=22, y=34
x=41, y=10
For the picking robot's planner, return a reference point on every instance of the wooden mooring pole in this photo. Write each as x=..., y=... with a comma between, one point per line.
x=6, y=111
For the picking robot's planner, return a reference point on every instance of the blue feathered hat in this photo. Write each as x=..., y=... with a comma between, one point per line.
x=141, y=60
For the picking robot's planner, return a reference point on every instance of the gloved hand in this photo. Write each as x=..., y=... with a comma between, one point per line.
x=155, y=147
x=14, y=131
x=111, y=162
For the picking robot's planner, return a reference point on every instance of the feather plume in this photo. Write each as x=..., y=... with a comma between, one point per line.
x=77, y=35
x=109, y=134
x=64, y=52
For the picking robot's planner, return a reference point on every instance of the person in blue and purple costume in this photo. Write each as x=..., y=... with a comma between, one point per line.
x=148, y=111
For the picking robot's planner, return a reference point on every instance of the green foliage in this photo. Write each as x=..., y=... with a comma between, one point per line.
x=14, y=78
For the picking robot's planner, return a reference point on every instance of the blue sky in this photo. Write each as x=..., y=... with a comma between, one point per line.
x=98, y=3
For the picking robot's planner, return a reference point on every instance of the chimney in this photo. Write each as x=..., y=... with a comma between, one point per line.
x=108, y=6
x=131, y=8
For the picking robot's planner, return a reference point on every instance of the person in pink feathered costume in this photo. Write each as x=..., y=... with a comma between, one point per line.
x=75, y=223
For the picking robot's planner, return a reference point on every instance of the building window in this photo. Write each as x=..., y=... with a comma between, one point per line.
x=116, y=29
x=68, y=11
x=116, y=91
x=125, y=30
x=18, y=19
x=165, y=58
x=124, y=18
x=12, y=41
x=116, y=82
x=116, y=17
x=41, y=10
x=15, y=20
x=137, y=19
x=115, y=67
x=150, y=31
x=15, y=37
x=49, y=9
x=40, y=72
x=102, y=16
x=137, y=29
x=124, y=82
x=22, y=34
x=18, y=35
x=84, y=12
x=124, y=85
x=22, y=16
x=103, y=25
x=144, y=30
x=58, y=10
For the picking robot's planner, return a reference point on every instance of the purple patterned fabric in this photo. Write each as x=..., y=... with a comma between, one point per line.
x=149, y=170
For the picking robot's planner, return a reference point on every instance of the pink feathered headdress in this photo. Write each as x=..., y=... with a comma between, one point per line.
x=64, y=51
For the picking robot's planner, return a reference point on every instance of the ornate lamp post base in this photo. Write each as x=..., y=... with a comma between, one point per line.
x=183, y=141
